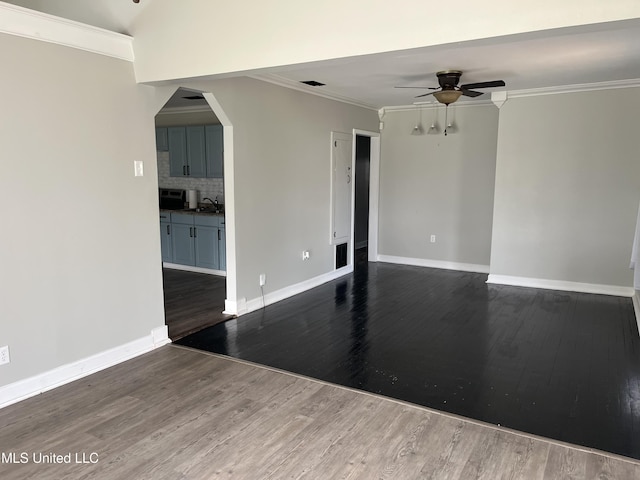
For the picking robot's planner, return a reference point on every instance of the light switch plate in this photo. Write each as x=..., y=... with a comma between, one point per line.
x=138, y=168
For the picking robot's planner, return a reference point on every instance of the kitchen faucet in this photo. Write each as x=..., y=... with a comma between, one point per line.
x=207, y=198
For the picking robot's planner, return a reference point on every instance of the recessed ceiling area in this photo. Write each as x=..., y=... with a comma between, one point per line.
x=564, y=57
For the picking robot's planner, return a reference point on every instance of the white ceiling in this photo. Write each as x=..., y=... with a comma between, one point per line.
x=573, y=56
x=566, y=57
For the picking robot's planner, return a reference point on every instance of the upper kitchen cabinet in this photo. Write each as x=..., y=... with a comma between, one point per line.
x=196, y=165
x=177, y=151
x=162, y=139
x=195, y=151
x=214, y=148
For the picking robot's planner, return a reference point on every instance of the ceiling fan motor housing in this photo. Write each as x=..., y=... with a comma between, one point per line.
x=448, y=79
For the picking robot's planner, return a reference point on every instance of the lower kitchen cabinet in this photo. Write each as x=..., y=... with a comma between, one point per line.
x=195, y=240
x=222, y=248
x=184, y=251
x=206, y=251
x=165, y=237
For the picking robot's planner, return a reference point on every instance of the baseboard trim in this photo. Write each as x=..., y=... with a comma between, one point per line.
x=561, y=285
x=636, y=307
x=425, y=262
x=290, y=291
x=30, y=387
x=232, y=307
x=189, y=268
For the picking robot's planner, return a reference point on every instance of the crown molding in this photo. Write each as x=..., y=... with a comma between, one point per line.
x=582, y=87
x=23, y=22
x=532, y=92
x=285, y=82
x=429, y=105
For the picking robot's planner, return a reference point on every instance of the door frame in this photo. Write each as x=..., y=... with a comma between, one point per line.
x=374, y=194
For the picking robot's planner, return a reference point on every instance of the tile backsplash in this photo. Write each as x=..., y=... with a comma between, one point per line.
x=207, y=187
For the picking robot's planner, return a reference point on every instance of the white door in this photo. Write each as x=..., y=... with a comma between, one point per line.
x=341, y=183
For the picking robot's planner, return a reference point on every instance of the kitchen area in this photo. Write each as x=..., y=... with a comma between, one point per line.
x=190, y=152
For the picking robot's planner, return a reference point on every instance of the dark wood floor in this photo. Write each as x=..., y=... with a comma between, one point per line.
x=192, y=301
x=561, y=365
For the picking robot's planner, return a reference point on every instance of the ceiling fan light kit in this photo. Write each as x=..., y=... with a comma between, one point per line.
x=447, y=97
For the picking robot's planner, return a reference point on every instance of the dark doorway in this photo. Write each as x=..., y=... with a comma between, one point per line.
x=361, y=208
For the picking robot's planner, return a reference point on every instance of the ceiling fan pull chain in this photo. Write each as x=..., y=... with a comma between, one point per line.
x=446, y=119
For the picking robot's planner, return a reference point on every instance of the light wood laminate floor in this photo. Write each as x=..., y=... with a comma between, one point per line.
x=176, y=413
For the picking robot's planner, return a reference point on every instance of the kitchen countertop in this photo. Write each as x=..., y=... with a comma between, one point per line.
x=194, y=212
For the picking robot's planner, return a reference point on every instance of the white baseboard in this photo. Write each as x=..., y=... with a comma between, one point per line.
x=189, y=268
x=23, y=389
x=424, y=262
x=636, y=306
x=561, y=285
x=232, y=307
x=290, y=291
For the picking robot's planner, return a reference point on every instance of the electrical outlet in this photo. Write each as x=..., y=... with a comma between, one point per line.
x=4, y=355
x=433, y=239
x=305, y=255
x=263, y=279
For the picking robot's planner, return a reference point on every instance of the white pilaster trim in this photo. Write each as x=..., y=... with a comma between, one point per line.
x=498, y=98
x=43, y=382
x=426, y=262
x=561, y=285
x=23, y=22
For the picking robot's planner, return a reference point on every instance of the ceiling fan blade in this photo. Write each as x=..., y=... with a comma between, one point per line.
x=425, y=94
x=429, y=88
x=470, y=93
x=494, y=83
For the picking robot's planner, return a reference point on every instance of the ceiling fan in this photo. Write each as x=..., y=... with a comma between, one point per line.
x=449, y=91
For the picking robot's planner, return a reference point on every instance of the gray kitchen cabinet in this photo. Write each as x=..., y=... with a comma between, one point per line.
x=165, y=237
x=196, y=163
x=214, y=151
x=187, y=151
x=182, y=237
x=195, y=151
x=195, y=240
x=222, y=249
x=162, y=139
x=177, y=151
x=207, y=241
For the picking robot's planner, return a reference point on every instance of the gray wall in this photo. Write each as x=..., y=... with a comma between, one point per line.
x=432, y=184
x=567, y=187
x=282, y=148
x=80, y=249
